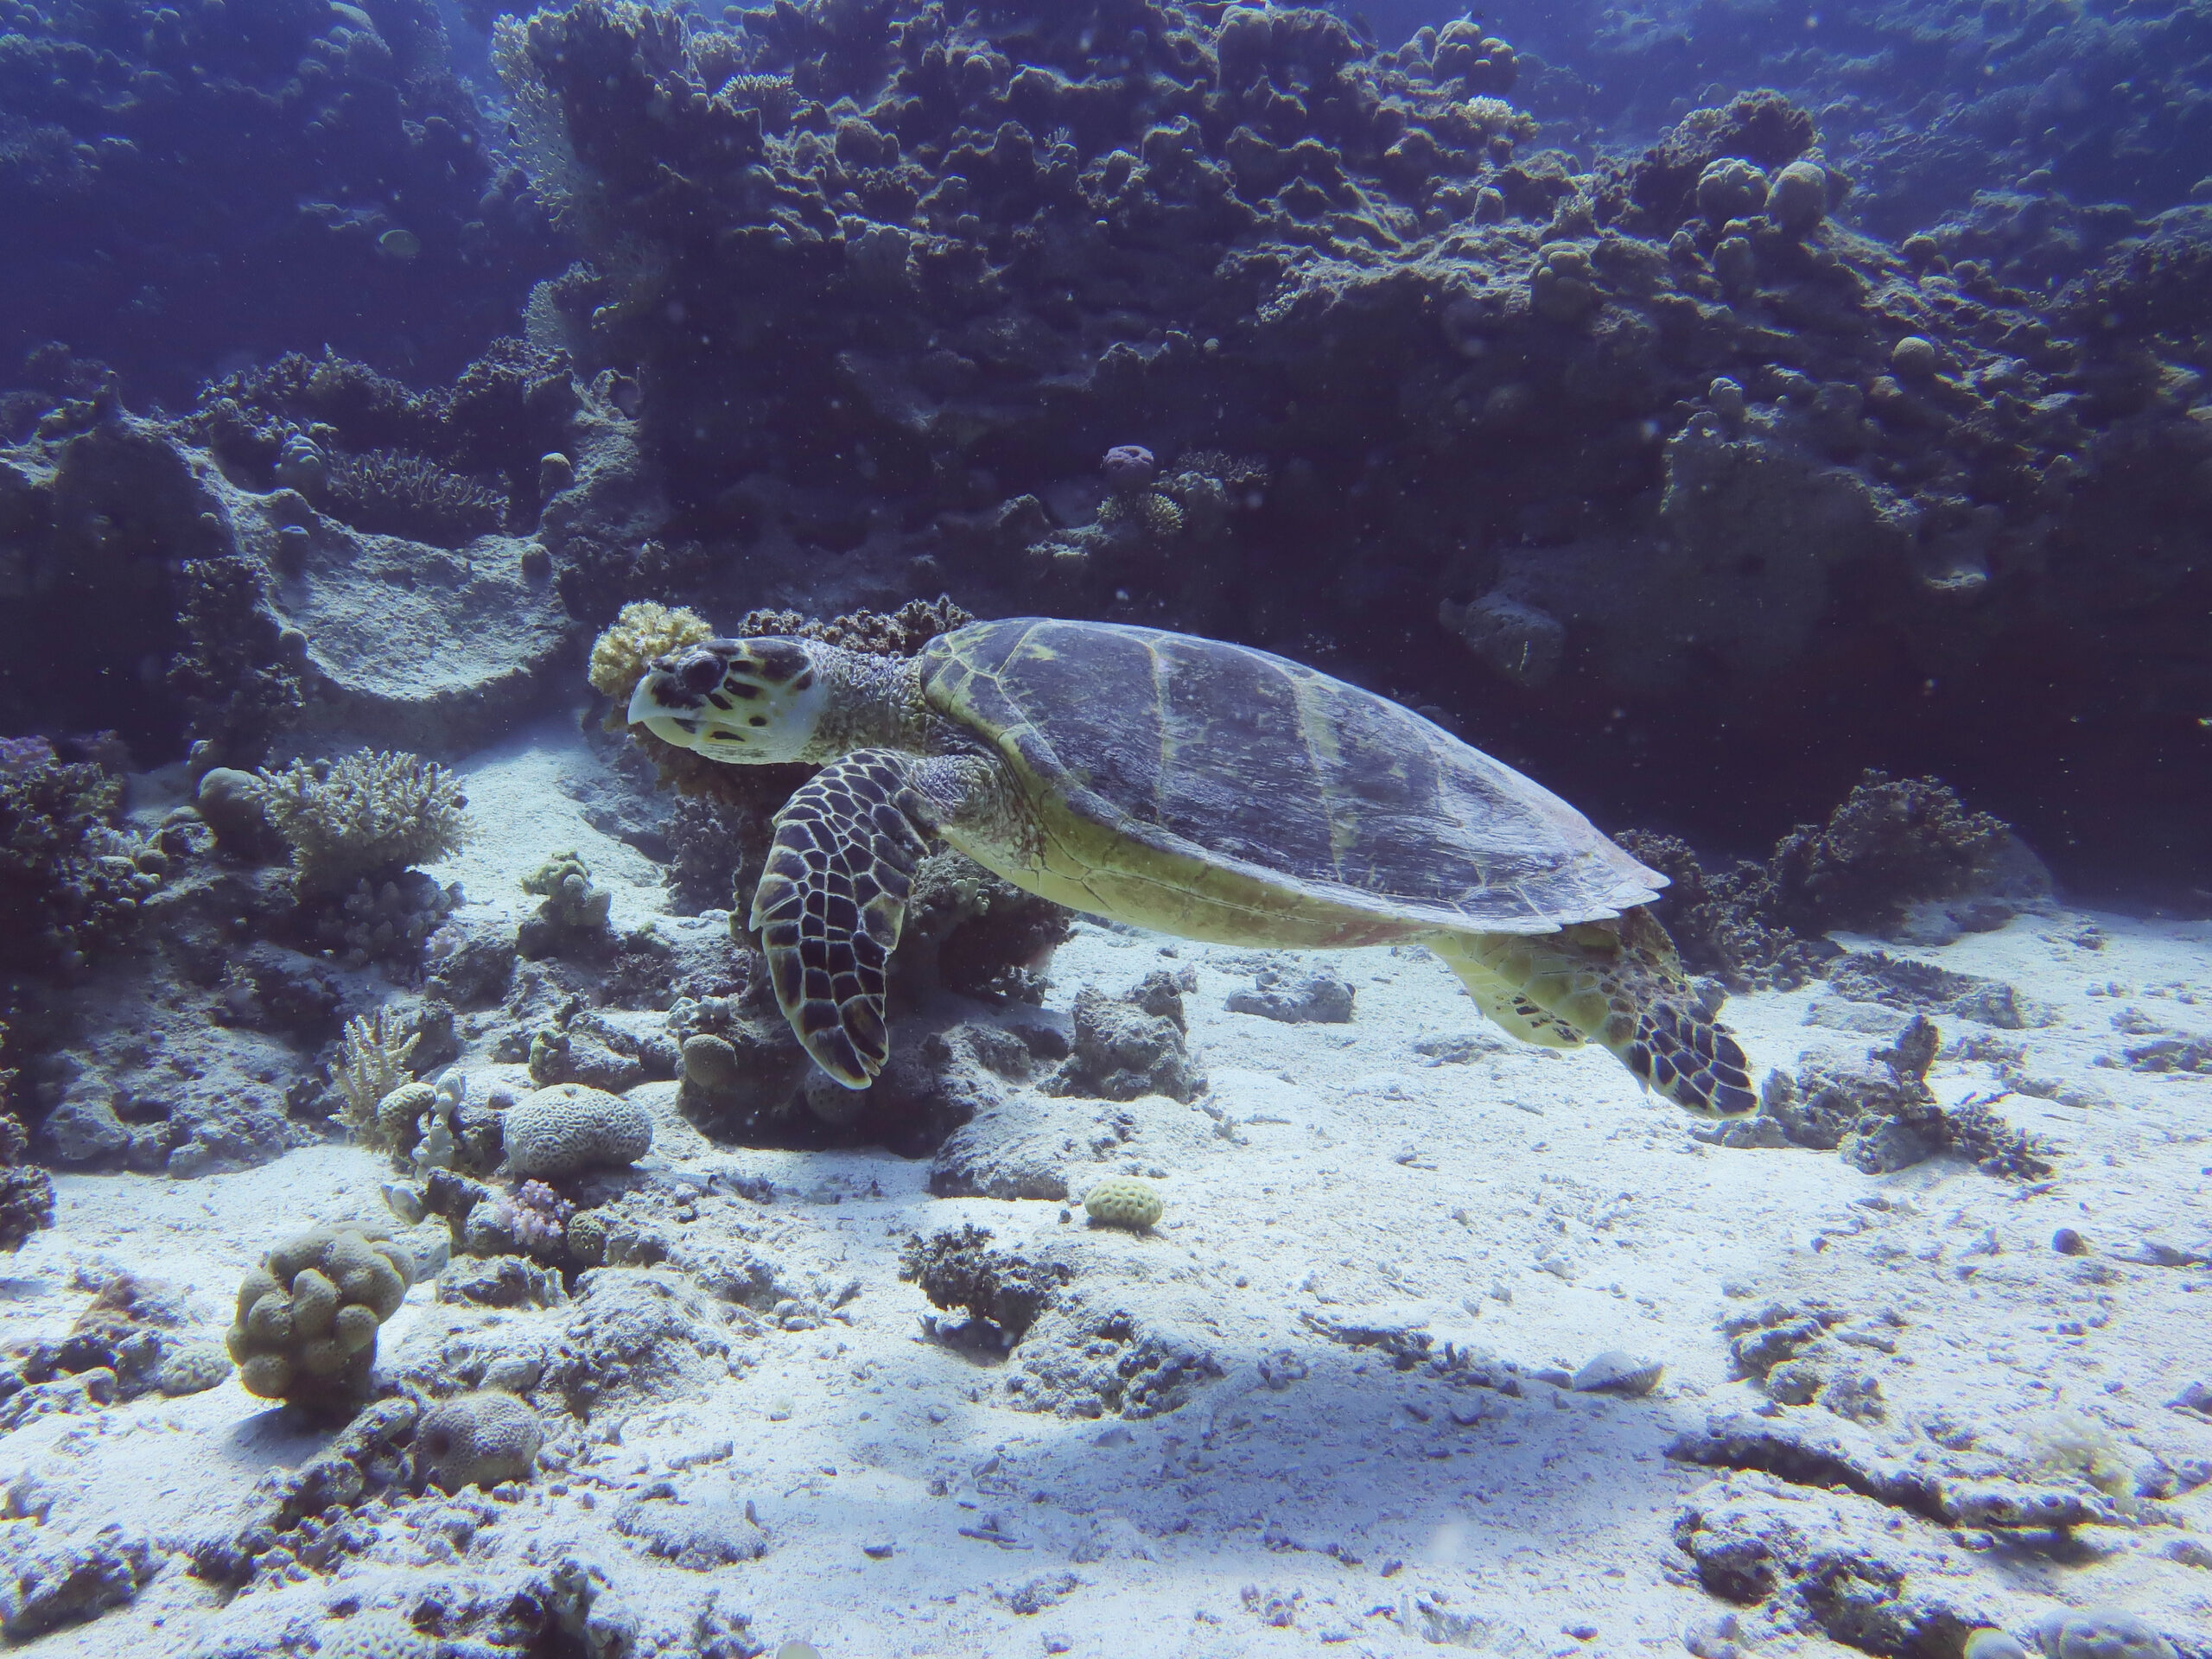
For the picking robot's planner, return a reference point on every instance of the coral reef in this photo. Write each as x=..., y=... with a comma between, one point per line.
x=1004, y=1290
x=367, y=814
x=306, y=1329
x=1896, y=856
x=1881, y=1115
x=339, y=150
x=477, y=1440
x=391, y=493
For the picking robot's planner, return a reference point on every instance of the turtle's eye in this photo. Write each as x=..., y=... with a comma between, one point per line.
x=700, y=674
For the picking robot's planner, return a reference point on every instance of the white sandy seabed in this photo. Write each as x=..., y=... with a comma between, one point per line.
x=1352, y=1209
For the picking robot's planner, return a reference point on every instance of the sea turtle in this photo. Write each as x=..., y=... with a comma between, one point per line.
x=1200, y=789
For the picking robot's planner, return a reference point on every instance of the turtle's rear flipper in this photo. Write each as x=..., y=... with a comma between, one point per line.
x=831, y=902
x=1620, y=983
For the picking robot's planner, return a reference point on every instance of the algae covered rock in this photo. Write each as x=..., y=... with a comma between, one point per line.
x=306, y=1329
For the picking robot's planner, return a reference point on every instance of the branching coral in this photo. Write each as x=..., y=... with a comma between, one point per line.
x=370, y=1065
x=367, y=813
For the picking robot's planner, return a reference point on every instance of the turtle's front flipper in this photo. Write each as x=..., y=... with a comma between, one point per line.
x=829, y=906
x=1620, y=983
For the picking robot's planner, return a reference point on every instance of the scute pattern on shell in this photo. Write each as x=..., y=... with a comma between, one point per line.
x=1230, y=757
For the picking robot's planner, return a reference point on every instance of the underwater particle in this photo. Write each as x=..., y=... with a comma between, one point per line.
x=1124, y=1201
x=1916, y=357
x=1618, y=1371
x=1798, y=198
x=478, y=1439
x=399, y=244
x=1129, y=467
x=2100, y=1633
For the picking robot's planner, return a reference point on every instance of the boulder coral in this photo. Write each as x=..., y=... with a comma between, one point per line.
x=306, y=1325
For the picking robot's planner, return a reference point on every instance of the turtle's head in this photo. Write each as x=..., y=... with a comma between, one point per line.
x=748, y=702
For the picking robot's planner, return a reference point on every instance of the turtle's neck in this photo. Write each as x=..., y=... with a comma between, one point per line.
x=875, y=702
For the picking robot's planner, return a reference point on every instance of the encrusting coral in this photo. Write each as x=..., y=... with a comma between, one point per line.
x=364, y=814
x=306, y=1329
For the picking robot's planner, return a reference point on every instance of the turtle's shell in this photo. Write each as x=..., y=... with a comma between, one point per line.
x=1233, y=759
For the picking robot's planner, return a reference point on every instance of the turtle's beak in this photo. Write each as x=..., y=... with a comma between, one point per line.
x=647, y=709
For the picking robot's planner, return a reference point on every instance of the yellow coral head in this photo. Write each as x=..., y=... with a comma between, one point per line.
x=748, y=702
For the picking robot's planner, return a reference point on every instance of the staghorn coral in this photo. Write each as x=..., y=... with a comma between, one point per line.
x=306, y=1328
x=478, y=1439
x=368, y=813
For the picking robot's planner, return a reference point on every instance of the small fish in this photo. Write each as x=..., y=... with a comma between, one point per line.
x=401, y=245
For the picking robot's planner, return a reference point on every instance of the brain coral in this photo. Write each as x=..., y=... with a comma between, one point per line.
x=1124, y=1201
x=306, y=1330
x=569, y=1126
x=478, y=1439
x=376, y=1636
